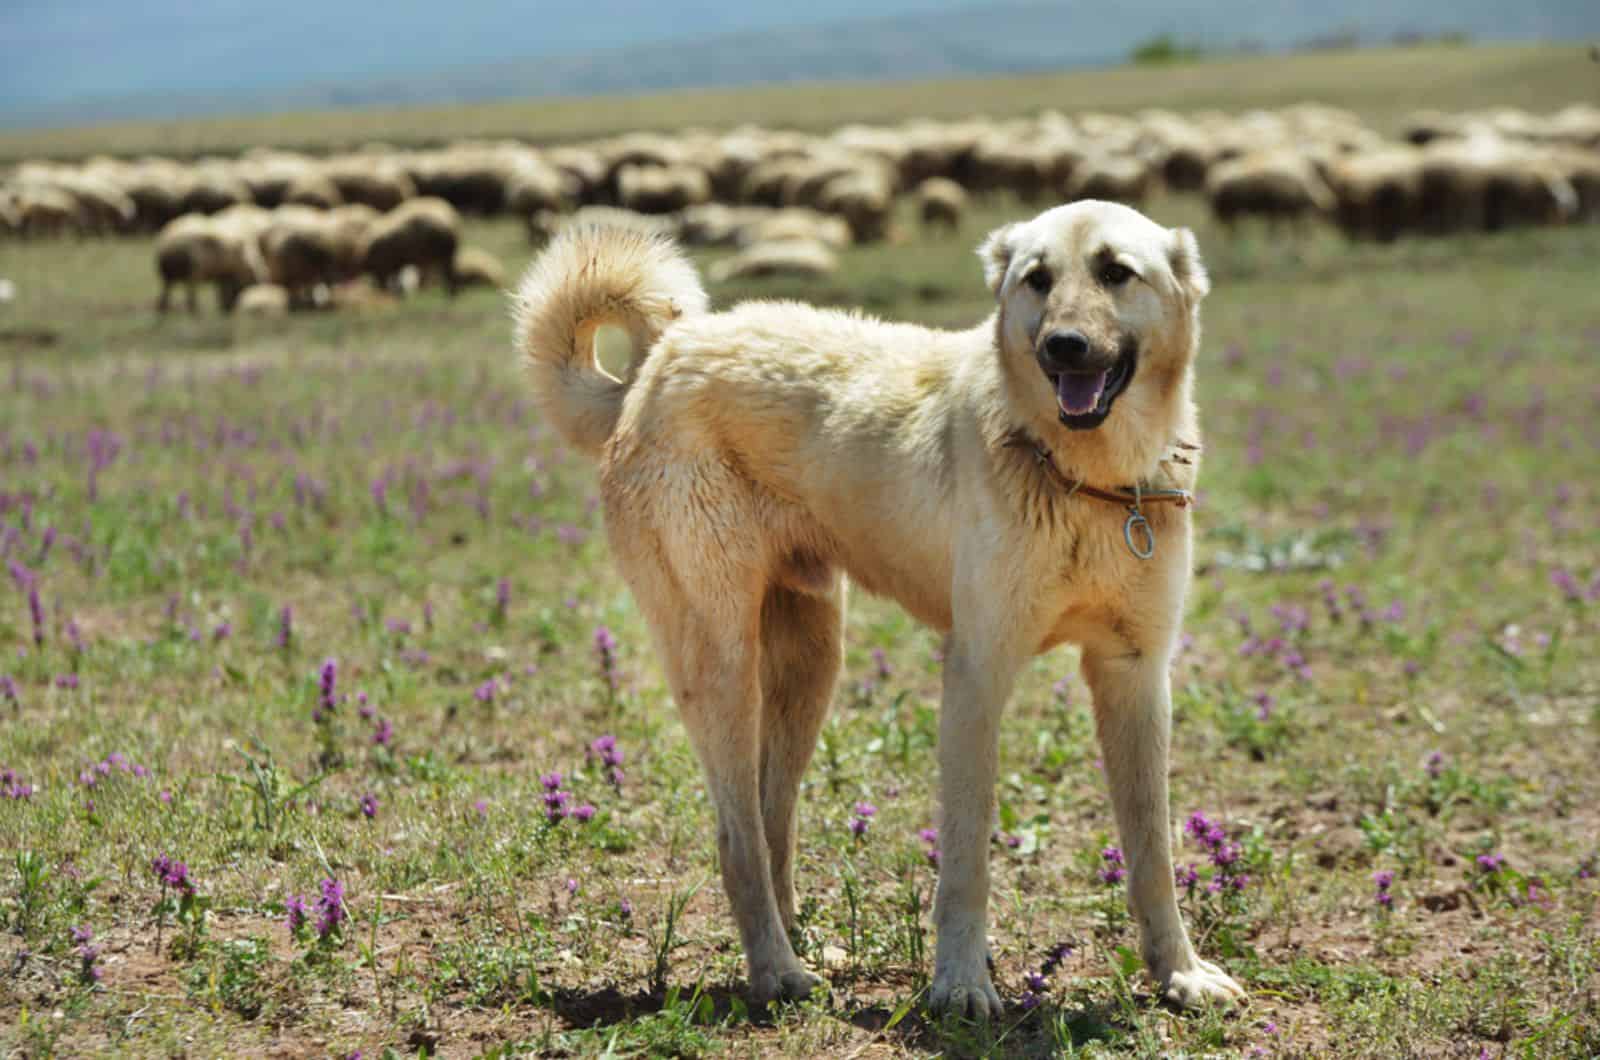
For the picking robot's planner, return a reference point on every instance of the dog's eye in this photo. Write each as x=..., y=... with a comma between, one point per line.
x=1039, y=279
x=1115, y=274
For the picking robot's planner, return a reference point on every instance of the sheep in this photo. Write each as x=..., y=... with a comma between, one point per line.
x=313, y=188
x=423, y=233
x=263, y=300
x=212, y=190
x=542, y=226
x=196, y=249
x=534, y=185
x=103, y=207
x=1116, y=178
x=659, y=189
x=475, y=267
x=794, y=257
x=301, y=252
x=1377, y=192
x=941, y=203
x=1486, y=183
x=43, y=210
x=1276, y=185
x=796, y=223
x=370, y=180
x=471, y=179
x=863, y=199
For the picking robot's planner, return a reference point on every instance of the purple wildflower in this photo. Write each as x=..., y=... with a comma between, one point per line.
x=610, y=755
x=369, y=805
x=1383, y=879
x=8, y=691
x=1115, y=870
x=88, y=954
x=484, y=693
x=864, y=812
x=330, y=907
x=296, y=914
x=880, y=661
x=605, y=646
x=328, y=698
x=36, y=612
x=285, y=628
x=552, y=781
x=1563, y=580
x=502, y=600
x=384, y=733
x=583, y=814
x=1434, y=764
x=572, y=886
x=174, y=874
x=1491, y=863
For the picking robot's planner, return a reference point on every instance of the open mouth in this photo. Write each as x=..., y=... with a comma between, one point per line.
x=1084, y=398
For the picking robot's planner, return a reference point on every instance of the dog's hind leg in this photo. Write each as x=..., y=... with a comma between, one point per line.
x=1132, y=712
x=802, y=651
x=709, y=640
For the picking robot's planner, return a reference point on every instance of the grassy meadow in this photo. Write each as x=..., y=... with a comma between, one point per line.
x=309, y=623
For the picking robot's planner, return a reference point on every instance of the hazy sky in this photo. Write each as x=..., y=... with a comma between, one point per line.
x=53, y=50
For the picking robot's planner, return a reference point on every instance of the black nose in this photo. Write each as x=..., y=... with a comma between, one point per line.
x=1065, y=350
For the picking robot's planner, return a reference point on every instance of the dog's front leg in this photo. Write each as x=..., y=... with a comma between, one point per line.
x=1133, y=710
x=977, y=681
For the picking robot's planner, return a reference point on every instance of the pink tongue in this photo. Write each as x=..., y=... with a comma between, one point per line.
x=1079, y=392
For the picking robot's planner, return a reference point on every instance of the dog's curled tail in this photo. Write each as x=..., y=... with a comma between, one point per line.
x=588, y=277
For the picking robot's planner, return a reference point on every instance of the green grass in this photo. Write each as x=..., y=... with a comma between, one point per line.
x=1415, y=421
x=1381, y=84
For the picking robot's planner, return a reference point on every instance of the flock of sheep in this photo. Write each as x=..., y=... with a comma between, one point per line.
x=275, y=230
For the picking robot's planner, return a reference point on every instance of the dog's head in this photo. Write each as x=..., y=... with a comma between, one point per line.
x=1098, y=304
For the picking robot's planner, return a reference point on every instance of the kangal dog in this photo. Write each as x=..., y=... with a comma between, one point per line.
x=1002, y=483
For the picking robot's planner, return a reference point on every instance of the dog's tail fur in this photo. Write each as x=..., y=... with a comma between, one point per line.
x=588, y=277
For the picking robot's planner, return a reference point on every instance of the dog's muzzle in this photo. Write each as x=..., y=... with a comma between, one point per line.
x=1086, y=380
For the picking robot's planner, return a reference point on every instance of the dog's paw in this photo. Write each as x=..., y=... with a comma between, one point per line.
x=965, y=992
x=1202, y=983
x=795, y=984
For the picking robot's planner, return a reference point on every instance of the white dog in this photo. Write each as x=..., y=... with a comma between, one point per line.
x=1004, y=484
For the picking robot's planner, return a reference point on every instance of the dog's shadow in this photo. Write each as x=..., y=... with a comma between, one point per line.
x=1043, y=1031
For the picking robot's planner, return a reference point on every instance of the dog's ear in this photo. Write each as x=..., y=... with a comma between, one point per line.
x=995, y=253
x=1183, y=255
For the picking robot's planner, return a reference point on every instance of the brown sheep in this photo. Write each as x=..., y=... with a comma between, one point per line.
x=941, y=203
x=195, y=249
x=1276, y=185
x=423, y=233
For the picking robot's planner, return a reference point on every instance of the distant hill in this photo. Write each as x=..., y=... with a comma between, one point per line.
x=104, y=60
